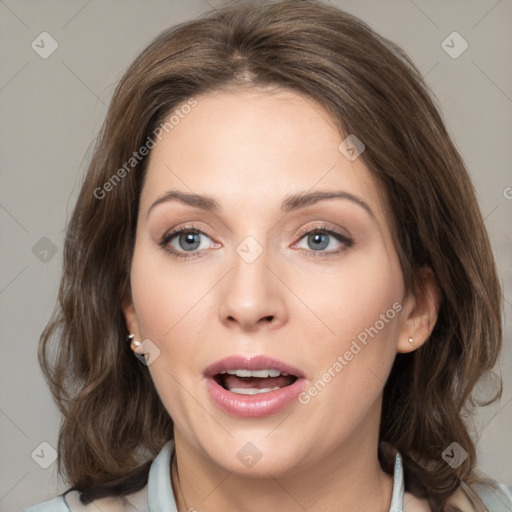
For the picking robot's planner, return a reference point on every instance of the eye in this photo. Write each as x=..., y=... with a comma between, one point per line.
x=185, y=242
x=189, y=241
x=324, y=240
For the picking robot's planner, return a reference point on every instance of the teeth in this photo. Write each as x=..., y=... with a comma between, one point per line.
x=263, y=374
x=252, y=391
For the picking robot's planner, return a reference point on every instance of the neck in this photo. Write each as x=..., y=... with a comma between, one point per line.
x=348, y=479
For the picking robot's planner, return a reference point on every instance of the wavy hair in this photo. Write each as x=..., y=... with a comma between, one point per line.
x=113, y=421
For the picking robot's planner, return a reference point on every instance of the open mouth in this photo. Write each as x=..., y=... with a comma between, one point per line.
x=253, y=382
x=253, y=386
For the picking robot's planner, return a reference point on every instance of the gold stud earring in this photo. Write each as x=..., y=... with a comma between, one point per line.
x=411, y=341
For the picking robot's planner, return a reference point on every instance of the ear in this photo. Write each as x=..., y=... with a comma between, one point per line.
x=420, y=314
x=131, y=320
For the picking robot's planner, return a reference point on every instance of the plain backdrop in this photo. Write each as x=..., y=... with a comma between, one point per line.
x=51, y=108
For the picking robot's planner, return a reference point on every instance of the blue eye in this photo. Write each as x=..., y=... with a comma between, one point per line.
x=325, y=241
x=184, y=242
x=188, y=241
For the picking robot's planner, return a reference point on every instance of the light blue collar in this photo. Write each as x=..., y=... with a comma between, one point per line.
x=161, y=497
x=397, y=498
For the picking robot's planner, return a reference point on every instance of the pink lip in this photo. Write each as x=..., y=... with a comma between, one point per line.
x=253, y=406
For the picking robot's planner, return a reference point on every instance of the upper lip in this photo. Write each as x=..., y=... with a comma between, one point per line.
x=256, y=362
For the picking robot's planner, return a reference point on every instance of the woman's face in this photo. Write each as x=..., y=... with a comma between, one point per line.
x=265, y=268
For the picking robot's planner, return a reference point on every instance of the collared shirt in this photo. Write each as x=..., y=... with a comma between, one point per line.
x=158, y=496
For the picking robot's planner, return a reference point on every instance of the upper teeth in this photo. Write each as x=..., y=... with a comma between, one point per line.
x=256, y=373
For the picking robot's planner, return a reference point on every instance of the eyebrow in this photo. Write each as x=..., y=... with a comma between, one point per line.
x=291, y=203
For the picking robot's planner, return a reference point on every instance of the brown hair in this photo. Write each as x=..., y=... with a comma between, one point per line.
x=113, y=421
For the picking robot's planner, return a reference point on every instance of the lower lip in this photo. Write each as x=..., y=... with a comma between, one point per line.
x=254, y=406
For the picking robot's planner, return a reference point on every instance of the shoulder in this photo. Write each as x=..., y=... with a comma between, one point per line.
x=70, y=502
x=55, y=505
x=495, y=496
x=486, y=496
x=490, y=496
x=136, y=502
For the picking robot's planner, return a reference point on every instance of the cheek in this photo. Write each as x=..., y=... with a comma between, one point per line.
x=172, y=309
x=164, y=295
x=360, y=302
x=352, y=295
x=168, y=315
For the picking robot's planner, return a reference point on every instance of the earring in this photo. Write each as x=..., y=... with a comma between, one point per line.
x=411, y=341
x=134, y=343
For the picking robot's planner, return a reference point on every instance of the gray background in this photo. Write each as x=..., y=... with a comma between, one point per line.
x=52, y=108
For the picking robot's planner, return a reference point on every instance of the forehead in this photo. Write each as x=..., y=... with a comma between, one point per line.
x=252, y=148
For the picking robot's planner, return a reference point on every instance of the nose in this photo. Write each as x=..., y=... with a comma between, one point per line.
x=252, y=296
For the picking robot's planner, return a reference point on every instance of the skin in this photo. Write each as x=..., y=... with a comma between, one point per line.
x=250, y=149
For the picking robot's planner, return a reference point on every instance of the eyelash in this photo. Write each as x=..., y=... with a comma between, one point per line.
x=348, y=242
x=164, y=242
